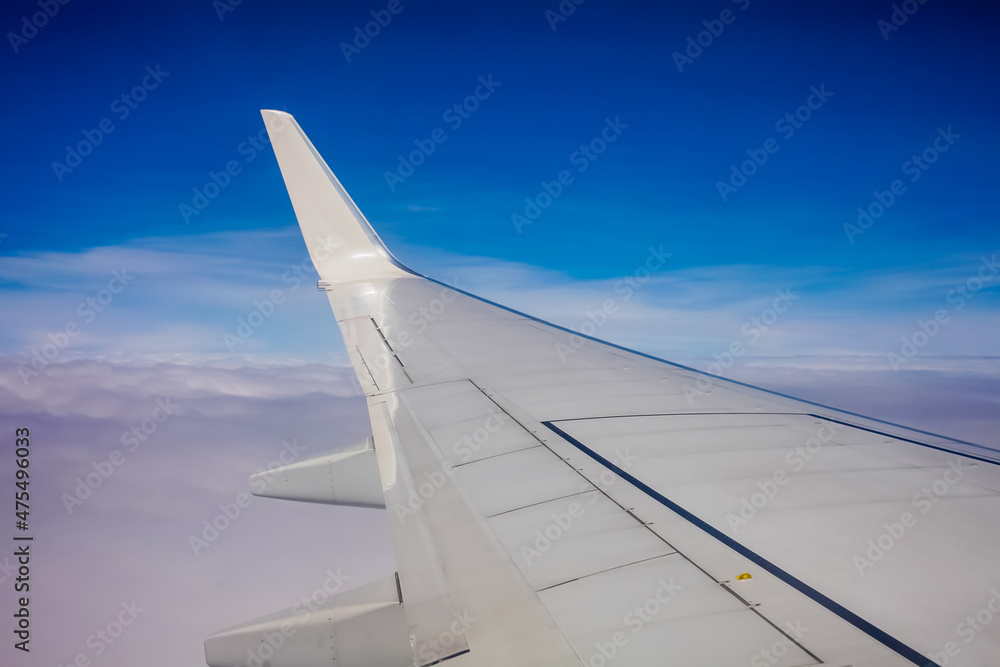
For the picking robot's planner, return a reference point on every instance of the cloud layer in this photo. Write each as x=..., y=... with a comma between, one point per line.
x=155, y=358
x=127, y=534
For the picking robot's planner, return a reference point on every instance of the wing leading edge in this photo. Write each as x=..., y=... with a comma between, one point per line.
x=592, y=509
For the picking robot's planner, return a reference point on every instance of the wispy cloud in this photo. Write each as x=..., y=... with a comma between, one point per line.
x=161, y=339
x=187, y=293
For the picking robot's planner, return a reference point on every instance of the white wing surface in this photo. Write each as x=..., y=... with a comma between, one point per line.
x=558, y=500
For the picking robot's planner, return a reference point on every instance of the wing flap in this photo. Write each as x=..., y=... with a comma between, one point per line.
x=706, y=444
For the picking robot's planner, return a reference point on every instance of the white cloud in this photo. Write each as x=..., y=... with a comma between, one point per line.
x=130, y=538
x=161, y=338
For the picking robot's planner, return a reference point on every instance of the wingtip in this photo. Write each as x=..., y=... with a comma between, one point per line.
x=341, y=241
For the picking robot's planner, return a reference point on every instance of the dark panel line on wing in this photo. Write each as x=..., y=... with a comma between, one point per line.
x=674, y=550
x=915, y=442
x=680, y=414
x=610, y=569
x=542, y=502
x=693, y=370
x=453, y=655
x=865, y=626
x=940, y=448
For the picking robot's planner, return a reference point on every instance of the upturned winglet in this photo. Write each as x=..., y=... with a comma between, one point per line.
x=341, y=242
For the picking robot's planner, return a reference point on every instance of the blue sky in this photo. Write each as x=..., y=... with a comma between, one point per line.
x=891, y=94
x=557, y=86
x=885, y=97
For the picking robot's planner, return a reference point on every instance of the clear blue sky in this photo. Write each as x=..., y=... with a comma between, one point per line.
x=608, y=59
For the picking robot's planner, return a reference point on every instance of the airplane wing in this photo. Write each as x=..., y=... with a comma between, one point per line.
x=558, y=500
